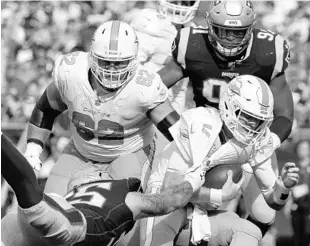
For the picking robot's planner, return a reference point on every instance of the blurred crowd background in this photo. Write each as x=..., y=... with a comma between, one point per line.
x=33, y=34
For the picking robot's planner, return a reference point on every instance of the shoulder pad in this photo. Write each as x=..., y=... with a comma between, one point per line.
x=264, y=47
x=196, y=132
x=152, y=89
x=59, y=77
x=271, y=49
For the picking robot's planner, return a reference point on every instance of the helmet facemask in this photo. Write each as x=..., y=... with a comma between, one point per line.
x=113, y=76
x=178, y=13
x=229, y=41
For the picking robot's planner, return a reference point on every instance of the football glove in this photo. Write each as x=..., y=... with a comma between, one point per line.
x=32, y=154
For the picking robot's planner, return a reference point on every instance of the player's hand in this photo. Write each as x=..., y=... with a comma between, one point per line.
x=264, y=149
x=290, y=174
x=32, y=155
x=196, y=176
x=230, y=189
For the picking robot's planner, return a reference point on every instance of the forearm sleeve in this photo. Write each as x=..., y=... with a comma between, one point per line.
x=166, y=123
x=43, y=115
x=282, y=126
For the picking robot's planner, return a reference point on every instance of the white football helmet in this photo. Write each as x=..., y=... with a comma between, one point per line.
x=114, y=42
x=247, y=100
x=178, y=12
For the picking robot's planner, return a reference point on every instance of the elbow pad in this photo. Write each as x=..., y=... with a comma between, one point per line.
x=166, y=123
x=43, y=115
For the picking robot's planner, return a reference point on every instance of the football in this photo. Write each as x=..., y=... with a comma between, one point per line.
x=217, y=176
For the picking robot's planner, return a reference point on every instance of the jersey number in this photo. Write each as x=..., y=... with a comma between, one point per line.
x=91, y=194
x=145, y=78
x=269, y=35
x=212, y=89
x=107, y=130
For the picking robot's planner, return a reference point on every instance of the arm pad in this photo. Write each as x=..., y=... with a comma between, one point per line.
x=43, y=115
x=166, y=123
x=282, y=126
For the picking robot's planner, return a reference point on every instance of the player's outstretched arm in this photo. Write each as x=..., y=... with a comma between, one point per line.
x=47, y=108
x=171, y=73
x=148, y=205
x=169, y=200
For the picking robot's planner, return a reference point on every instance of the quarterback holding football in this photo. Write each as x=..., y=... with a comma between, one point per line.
x=236, y=134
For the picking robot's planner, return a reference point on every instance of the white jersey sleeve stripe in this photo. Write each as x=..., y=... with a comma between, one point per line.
x=184, y=36
x=279, y=43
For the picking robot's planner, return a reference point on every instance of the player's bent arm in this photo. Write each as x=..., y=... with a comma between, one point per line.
x=283, y=107
x=164, y=116
x=171, y=73
x=147, y=205
x=47, y=108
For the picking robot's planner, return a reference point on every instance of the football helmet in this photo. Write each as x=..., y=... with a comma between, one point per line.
x=178, y=12
x=113, y=55
x=230, y=26
x=246, y=107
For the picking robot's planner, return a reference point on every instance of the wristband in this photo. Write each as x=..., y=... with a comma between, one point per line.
x=281, y=193
x=216, y=196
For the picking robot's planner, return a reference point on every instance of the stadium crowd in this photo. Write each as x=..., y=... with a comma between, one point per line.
x=34, y=34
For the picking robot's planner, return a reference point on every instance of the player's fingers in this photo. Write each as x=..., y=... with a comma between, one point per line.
x=293, y=175
x=289, y=165
x=293, y=170
x=229, y=175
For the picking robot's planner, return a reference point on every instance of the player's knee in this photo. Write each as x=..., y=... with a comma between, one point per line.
x=265, y=216
x=250, y=229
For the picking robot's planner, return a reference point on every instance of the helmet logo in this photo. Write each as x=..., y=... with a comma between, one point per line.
x=233, y=23
x=235, y=86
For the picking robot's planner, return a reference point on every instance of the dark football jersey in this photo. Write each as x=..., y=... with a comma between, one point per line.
x=266, y=56
x=103, y=205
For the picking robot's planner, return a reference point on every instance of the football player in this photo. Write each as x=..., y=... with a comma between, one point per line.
x=112, y=101
x=156, y=30
x=237, y=133
x=230, y=47
x=96, y=213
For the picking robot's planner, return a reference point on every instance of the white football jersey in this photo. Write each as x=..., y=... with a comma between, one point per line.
x=197, y=141
x=156, y=35
x=114, y=125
